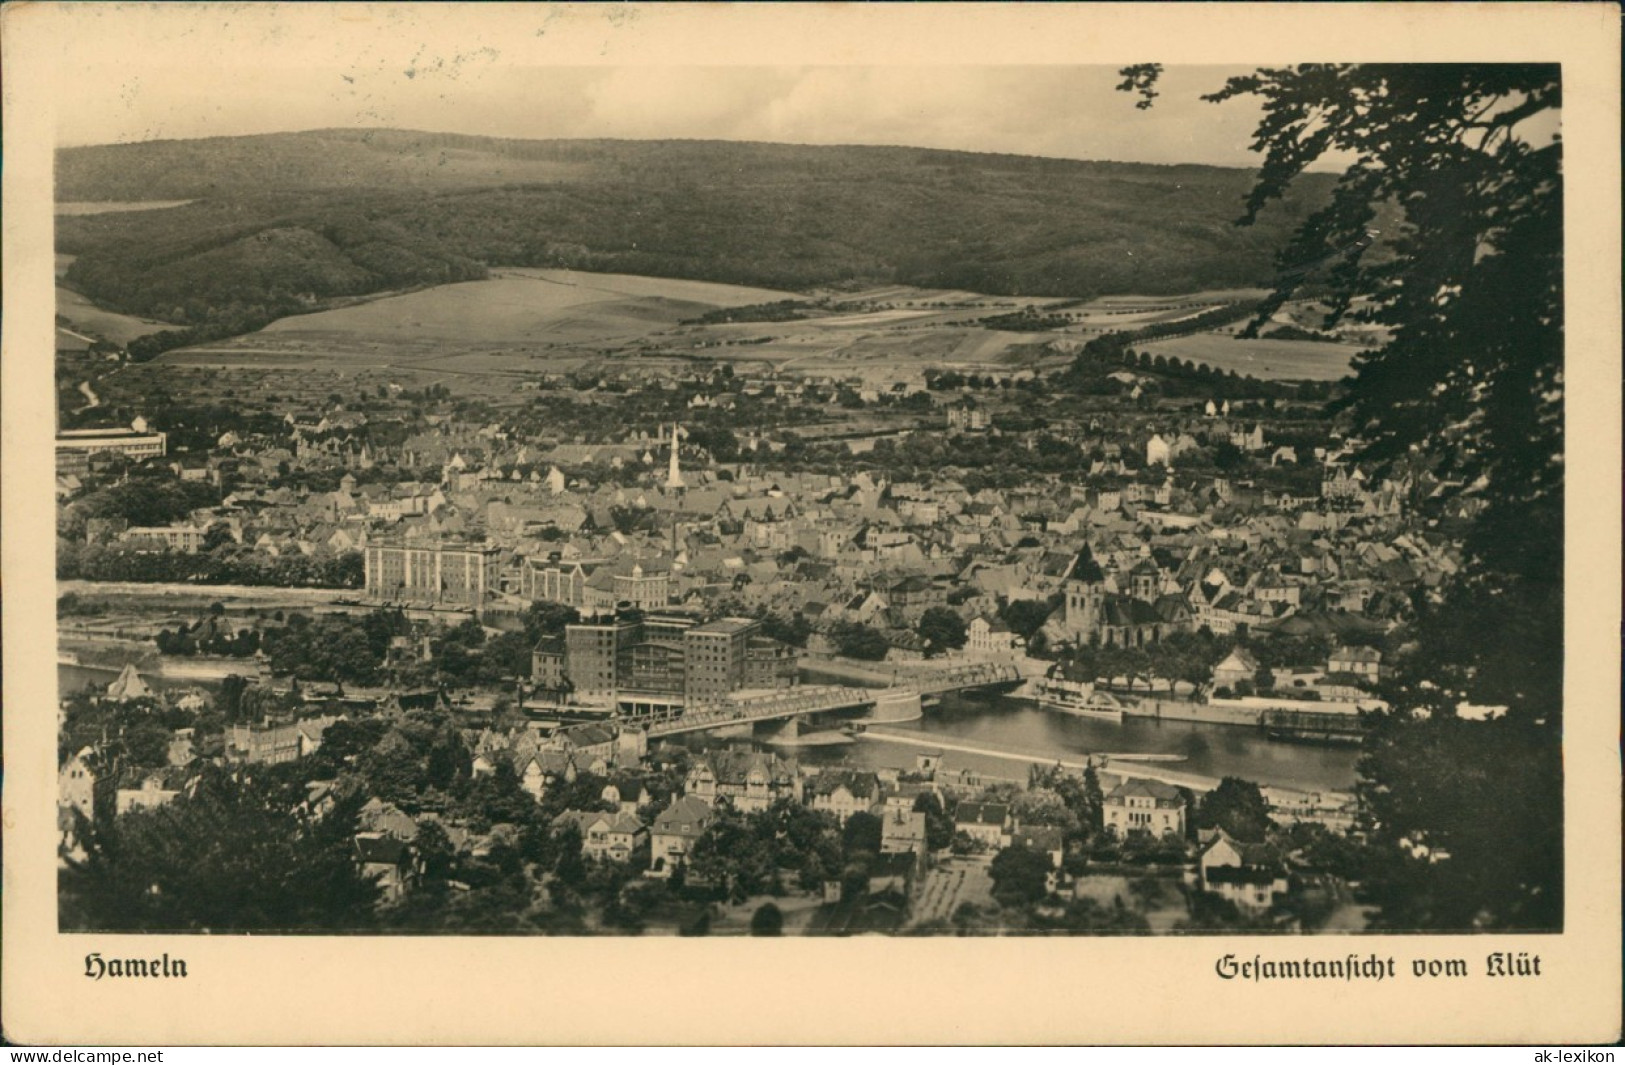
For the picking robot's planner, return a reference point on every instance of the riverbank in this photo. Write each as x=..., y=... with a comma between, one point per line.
x=1188, y=710
x=812, y=739
x=1100, y=762
x=207, y=592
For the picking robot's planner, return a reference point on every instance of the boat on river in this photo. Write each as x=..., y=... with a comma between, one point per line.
x=1070, y=695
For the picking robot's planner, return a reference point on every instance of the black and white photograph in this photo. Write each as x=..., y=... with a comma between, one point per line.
x=973, y=500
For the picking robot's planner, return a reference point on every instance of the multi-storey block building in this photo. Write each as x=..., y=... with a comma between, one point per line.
x=557, y=580
x=183, y=538
x=593, y=653
x=662, y=662
x=444, y=572
x=75, y=447
x=715, y=658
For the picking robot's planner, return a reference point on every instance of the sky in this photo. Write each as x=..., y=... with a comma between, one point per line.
x=1062, y=111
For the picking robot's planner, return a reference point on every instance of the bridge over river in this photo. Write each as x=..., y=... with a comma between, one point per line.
x=766, y=706
x=896, y=702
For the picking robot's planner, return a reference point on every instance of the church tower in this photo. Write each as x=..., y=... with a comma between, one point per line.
x=1084, y=595
x=674, y=473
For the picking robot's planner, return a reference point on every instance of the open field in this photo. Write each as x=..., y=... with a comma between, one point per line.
x=527, y=321
x=523, y=322
x=85, y=207
x=1272, y=360
x=522, y=307
x=85, y=317
x=1188, y=299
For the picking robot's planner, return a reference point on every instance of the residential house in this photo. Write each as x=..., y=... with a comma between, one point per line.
x=748, y=780
x=1363, y=662
x=387, y=861
x=593, y=746
x=985, y=822
x=1239, y=665
x=76, y=784
x=151, y=789
x=1157, y=451
x=604, y=836
x=991, y=638
x=267, y=744
x=675, y=831
x=627, y=795
x=128, y=687
x=844, y=792
x=902, y=829
x=1046, y=839
x=1250, y=875
x=1151, y=806
x=539, y=770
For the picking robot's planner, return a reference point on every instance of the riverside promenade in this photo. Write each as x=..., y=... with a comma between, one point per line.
x=1122, y=765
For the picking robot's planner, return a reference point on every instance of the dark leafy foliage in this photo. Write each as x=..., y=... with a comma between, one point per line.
x=942, y=629
x=332, y=214
x=857, y=640
x=1020, y=874
x=1237, y=807
x=1470, y=287
x=167, y=870
x=230, y=565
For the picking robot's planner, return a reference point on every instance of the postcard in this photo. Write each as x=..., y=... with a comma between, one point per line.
x=943, y=523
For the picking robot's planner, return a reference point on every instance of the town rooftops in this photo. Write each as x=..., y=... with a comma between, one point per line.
x=376, y=848
x=1164, y=794
x=982, y=813
x=584, y=820
x=1086, y=569
x=686, y=816
x=724, y=627
x=860, y=785
x=128, y=686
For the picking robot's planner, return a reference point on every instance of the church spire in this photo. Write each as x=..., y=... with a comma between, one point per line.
x=674, y=474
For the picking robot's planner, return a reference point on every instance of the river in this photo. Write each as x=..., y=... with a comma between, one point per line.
x=73, y=678
x=1003, y=722
x=1019, y=725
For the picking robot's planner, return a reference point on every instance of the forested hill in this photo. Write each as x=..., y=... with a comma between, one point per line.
x=283, y=222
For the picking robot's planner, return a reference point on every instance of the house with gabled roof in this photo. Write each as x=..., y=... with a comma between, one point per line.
x=675, y=832
x=749, y=780
x=1251, y=875
x=604, y=836
x=986, y=822
x=627, y=795
x=1138, y=805
x=76, y=783
x=1238, y=665
x=902, y=830
x=844, y=792
x=148, y=789
x=540, y=770
x=1046, y=839
x=128, y=687
x=387, y=861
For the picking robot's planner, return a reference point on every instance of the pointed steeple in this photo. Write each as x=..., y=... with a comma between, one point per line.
x=128, y=686
x=674, y=474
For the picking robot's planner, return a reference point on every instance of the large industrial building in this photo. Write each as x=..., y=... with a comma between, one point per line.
x=76, y=447
x=658, y=663
x=448, y=573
